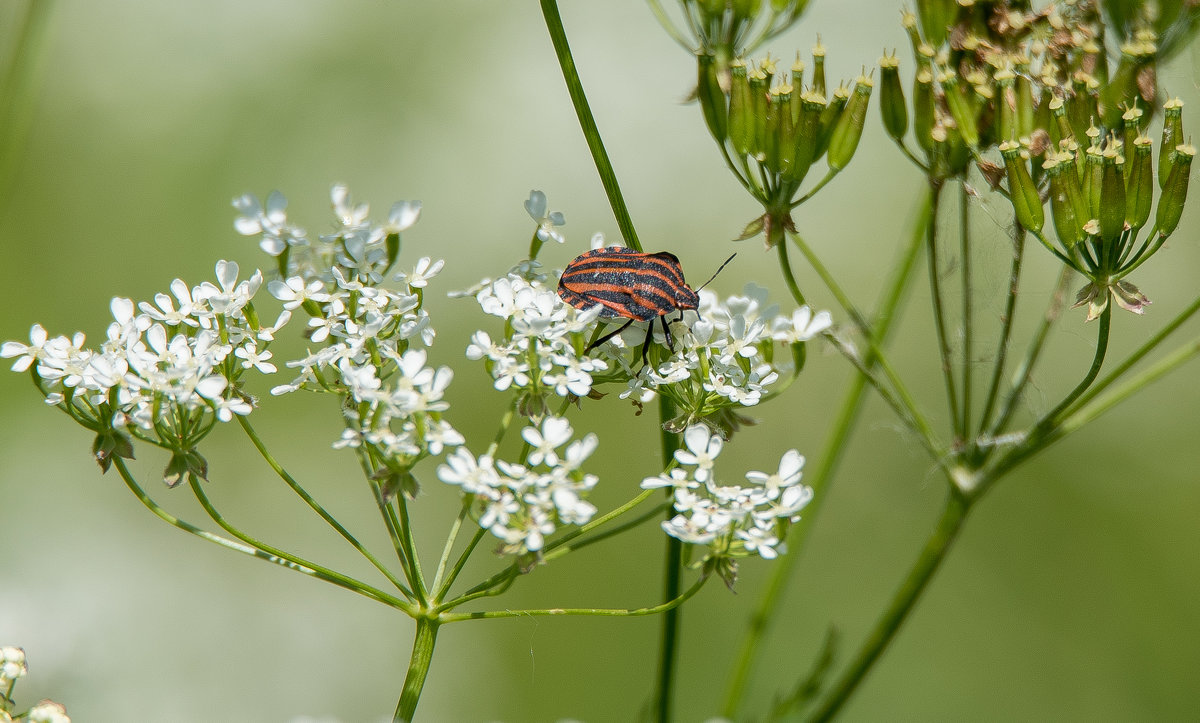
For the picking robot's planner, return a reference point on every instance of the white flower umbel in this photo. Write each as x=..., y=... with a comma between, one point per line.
x=731, y=520
x=523, y=504
x=163, y=374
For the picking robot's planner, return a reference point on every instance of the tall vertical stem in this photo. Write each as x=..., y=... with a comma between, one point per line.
x=939, y=315
x=418, y=669
x=668, y=651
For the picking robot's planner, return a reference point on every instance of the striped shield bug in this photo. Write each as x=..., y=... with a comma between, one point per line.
x=631, y=285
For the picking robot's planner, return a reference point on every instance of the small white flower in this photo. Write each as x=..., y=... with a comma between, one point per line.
x=48, y=712
x=425, y=269
x=555, y=432
x=402, y=216
x=536, y=207
x=26, y=354
x=702, y=450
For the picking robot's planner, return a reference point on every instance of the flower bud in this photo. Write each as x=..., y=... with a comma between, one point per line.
x=848, y=131
x=1139, y=194
x=1060, y=167
x=711, y=97
x=1026, y=203
x=891, y=98
x=1174, y=193
x=741, y=114
x=1172, y=135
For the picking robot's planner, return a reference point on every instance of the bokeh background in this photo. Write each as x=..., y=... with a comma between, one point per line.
x=1072, y=594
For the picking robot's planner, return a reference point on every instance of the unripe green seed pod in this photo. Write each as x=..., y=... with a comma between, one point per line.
x=807, y=130
x=849, y=128
x=1131, y=120
x=1027, y=205
x=711, y=97
x=1172, y=135
x=960, y=108
x=1061, y=170
x=1139, y=196
x=1091, y=181
x=741, y=118
x=797, y=87
x=923, y=109
x=1026, y=122
x=830, y=117
x=1006, y=107
x=1060, y=128
x=758, y=110
x=1112, y=195
x=779, y=128
x=891, y=98
x=1174, y=193
x=937, y=17
x=818, y=53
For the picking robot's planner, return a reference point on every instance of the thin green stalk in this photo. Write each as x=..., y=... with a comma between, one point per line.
x=668, y=652
x=418, y=669
x=1137, y=356
x=968, y=325
x=1097, y=361
x=410, y=550
x=902, y=604
x=813, y=191
x=608, y=177
x=316, y=506
x=389, y=514
x=1025, y=371
x=1010, y=310
x=820, y=478
x=441, y=592
x=939, y=315
x=297, y=563
x=18, y=90
x=449, y=546
x=788, y=276
x=903, y=402
x=664, y=607
x=601, y=536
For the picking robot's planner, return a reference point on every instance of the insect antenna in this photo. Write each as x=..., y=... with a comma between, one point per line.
x=719, y=268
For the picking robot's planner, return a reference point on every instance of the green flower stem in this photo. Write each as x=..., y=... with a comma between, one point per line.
x=418, y=669
x=387, y=512
x=587, y=123
x=448, y=548
x=821, y=477
x=1025, y=371
x=1097, y=361
x=316, y=506
x=902, y=604
x=1010, y=308
x=665, y=21
x=505, y=422
x=788, y=276
x=1137, y=356
x=939, y=316
x=968, y=326
x=668, y=652
x=813, y=191
x=319, y=573
x=667, y=606
x=650, y=514
x=903, y=402
x=296, y=562
x=410, y=550
x=458, y=565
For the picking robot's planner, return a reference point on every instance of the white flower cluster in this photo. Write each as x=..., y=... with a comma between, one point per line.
x=366, y=330
x=543, y=335
x=162, y=371
x=523, y=505
x=732, y=520
x=12, y=667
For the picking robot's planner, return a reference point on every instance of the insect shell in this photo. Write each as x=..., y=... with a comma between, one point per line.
x=629, y=284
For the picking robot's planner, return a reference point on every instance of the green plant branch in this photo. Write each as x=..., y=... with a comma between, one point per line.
x=902, y=604
x=587, y=122
x=788, y=276
x=150, y=504
x=296, y=561
x=827, y=462
x=442, y=591
x=1010, y=309
x=1051, y=417
x=410, y=549
x=598, y=612
x=939, y=316
x=448, y=548
x=316, y=506
x=968, y=330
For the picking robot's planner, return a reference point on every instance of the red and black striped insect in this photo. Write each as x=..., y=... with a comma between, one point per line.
x=632, y=285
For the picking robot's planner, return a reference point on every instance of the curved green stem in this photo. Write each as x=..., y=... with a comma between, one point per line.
x=813, y=191
x=902, y=604
x=788, y=276
x=297, y=563
x=410, y=549
x=939, y=315
x=418, y=669
x=608, y=177
x=1097, y=361
x=820, y=477
x=316, y=506
x=668, y=653
x=968, y=326
x=458, y=566
x=449, y=546
x=665, y=607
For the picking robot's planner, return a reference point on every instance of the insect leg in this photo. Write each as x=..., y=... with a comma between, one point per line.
x=646, y=344
x=667, y=332
x=607, y=336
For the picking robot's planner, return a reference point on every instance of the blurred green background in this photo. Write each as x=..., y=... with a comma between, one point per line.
x=1071, y=595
